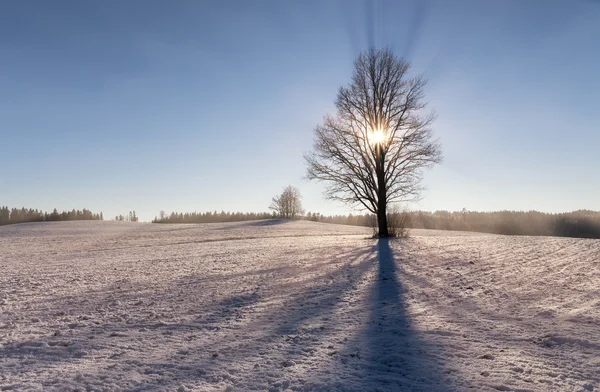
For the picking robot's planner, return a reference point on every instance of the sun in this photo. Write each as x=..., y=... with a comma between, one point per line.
x=377, y=136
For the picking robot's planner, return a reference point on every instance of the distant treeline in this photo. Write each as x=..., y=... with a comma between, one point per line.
x=132, y=217
x=16, y=215
x=581, y=224
x=211, y=217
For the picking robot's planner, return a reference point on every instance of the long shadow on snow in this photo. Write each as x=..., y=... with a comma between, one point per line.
x=312, y=303
x=296, y=330
x=390, y=354
x=61, y=347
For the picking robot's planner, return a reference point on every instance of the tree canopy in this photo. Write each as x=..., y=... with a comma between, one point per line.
x=374, y=150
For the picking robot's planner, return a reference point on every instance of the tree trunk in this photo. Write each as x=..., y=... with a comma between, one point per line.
x=382, y=218
x=382, y=198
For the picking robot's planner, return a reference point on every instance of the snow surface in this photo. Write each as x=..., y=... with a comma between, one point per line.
x=301, y=306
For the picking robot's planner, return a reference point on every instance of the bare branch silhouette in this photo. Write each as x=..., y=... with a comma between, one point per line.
x=373, y=151
x=287, y=205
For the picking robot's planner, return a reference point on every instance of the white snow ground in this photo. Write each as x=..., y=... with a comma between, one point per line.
x=301, y=306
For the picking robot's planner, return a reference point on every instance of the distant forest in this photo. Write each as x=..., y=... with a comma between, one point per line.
x=581, y=224
x=211, y=217
x=22, y=215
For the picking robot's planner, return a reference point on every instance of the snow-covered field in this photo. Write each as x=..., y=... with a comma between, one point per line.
x=275, y=305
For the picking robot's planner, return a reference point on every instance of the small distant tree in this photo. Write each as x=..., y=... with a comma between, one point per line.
x=288, y=204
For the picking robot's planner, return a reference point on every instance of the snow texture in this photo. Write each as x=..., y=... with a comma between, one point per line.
x=299, y=306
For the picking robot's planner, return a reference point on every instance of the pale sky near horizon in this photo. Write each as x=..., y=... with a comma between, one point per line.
x=209, y=105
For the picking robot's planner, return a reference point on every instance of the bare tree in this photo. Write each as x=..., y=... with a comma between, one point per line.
x=287, y=205
x=374, y=150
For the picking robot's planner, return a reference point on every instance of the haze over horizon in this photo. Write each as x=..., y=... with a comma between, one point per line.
x=195, y=106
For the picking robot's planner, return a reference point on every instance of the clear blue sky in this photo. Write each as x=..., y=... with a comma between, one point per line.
x=204, y=105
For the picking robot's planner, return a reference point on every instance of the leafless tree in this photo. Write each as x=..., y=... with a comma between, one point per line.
x=288, y=204
x=374, y=150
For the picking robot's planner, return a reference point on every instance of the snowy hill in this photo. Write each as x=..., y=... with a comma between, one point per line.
x=301, y=306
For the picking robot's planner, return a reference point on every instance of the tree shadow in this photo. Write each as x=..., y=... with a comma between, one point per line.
x=391, y=352
x=344, y=327
x=130, y=318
